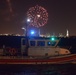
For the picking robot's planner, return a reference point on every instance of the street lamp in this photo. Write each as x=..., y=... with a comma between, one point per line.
x=27, y=44
x=28, y=20
x=27, y=23
x=26, y=36
x=26, y=27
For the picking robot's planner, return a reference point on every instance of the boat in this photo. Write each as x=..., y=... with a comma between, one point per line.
x=43, y=47
x=36, y=50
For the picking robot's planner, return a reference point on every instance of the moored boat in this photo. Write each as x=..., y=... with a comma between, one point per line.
x=36, y=51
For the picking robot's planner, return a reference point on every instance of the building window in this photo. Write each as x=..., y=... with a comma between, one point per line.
x=23, y=42
x=40, y=43
x=32, y=43
x=51, y=43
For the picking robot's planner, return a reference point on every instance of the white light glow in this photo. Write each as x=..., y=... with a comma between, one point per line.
x=28, y=20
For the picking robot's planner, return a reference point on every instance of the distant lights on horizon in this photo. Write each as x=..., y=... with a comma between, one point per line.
x=32, y=32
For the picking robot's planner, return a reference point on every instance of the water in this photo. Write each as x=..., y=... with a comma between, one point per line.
x=58, y=69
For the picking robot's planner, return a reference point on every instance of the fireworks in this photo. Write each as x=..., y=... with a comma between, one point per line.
x=38, y=16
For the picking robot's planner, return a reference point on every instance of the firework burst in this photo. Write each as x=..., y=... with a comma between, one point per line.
x=38, y=16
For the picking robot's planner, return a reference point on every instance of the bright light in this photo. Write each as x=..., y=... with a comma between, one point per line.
x=32, y=32
x=52, y=39
x=28, y=20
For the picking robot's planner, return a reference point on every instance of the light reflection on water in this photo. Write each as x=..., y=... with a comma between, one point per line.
x=62, y=69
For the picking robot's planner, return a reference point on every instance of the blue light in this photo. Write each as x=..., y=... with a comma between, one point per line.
x=49, y=42
x=32, y=32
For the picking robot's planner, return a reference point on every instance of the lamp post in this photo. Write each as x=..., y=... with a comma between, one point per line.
x=26, y=35
x=27, y=23
x=26, y=45
x=26, y=27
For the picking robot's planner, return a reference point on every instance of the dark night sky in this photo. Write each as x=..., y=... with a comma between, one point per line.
x=62, y=15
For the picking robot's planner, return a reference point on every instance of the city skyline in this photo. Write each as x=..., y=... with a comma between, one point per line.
x=61, y=16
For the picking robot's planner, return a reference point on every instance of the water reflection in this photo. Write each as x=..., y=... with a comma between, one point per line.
x=68, y=69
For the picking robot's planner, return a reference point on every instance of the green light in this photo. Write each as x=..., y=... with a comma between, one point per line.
x=52, y=38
